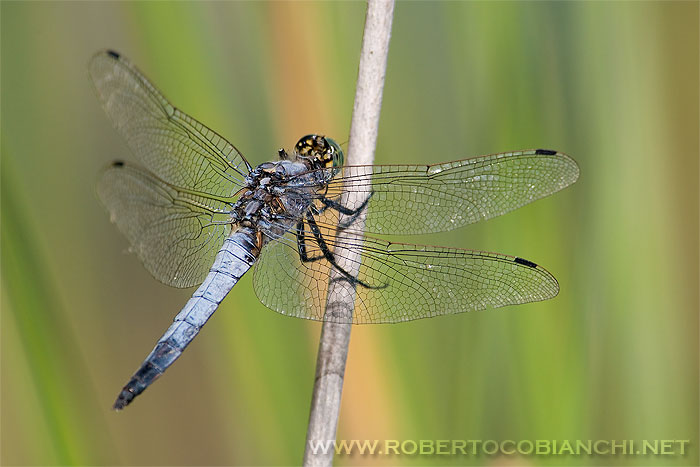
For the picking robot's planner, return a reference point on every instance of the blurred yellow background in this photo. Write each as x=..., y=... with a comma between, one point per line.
x=614, y=356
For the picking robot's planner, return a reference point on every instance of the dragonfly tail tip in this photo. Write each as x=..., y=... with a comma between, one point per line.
x=124, y=399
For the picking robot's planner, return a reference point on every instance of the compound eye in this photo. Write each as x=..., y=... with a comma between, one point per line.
x=338, y=158
x=324, y=152
x=306, y=145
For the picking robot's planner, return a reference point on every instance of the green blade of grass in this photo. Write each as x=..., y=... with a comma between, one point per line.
x=62, y=383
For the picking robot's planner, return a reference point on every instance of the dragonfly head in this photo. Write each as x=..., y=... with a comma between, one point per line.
x=319, y=151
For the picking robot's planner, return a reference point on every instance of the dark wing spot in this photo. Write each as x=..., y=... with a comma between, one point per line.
x=525, y=262
x=545, y=152
x=113, y=54
x=118, y=164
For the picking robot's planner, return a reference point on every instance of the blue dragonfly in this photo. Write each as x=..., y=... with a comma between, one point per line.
x=197, y=213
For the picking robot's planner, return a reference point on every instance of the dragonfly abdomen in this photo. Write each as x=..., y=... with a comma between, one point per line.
x=234, y=259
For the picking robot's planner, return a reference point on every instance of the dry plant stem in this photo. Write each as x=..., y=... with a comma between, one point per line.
x=335, y=338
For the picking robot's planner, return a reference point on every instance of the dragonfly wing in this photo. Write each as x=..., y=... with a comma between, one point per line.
x=412, y=199
x=397, y=282
x=174, y=146
x=175, y=233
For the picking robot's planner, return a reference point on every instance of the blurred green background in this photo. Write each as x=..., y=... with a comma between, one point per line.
x=614, y=356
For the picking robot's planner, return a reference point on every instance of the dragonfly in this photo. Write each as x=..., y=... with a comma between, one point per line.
x=196, y=212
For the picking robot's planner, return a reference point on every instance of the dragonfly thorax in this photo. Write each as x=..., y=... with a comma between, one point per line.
x=277, y=192
x=270, y=204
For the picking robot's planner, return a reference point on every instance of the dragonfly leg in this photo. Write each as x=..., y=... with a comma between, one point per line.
x=301, y=245
x=332, y=204
x=329, y=203
x=330, y=257
x=353, y=213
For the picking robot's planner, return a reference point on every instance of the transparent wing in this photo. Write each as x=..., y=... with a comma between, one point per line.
x=412, y=199
x=397, y=282
x=175, y=232
x=174, y=146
